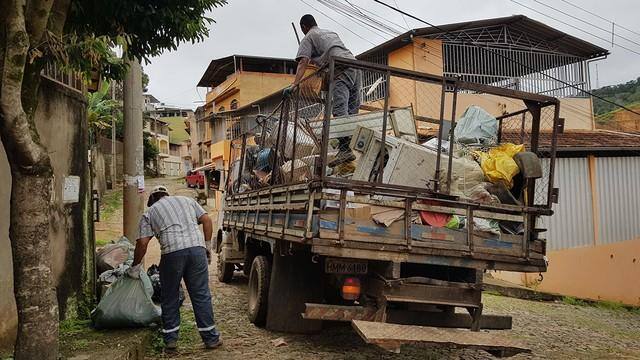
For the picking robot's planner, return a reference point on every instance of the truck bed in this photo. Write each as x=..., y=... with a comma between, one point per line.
x=335, y=224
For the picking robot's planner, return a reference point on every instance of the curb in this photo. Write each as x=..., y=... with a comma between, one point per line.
x=125, y=345
x=505, y=288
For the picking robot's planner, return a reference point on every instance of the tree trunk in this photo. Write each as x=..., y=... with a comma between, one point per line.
x=32, y=278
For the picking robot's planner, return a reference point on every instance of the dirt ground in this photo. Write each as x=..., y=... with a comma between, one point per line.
x=553, y=330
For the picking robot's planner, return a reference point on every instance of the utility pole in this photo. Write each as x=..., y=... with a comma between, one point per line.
x=114, y=158
x=133, y=151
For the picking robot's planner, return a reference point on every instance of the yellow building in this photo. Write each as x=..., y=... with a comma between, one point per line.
x=233, y=82
x=513, y=52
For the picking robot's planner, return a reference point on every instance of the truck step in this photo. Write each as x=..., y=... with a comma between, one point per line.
x=391, y=336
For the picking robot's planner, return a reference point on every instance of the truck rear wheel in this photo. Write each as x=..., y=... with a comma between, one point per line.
x=295, y=280
x=225, y=269
x=259, y=278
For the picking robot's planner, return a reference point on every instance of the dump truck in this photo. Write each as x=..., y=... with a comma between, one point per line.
x=397, y=240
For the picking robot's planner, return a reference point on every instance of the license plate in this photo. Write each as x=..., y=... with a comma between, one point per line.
x=340, y=266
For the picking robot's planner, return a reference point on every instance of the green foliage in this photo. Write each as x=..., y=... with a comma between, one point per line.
x=142, y=28
x=111, y=201
x=145, y=28
x=177, y=132
x=601, y=304
x=623, y=94
x=102, y=110
x=150, y=149
x=145, y=81
x=570, y=300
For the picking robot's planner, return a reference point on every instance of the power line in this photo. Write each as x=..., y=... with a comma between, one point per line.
x=323, y=2
x=339, y=9
x=587, y=22
x=363, y=10
x=516, y=62
x=337, y=22
x=599, y=17
x=572, y=26
x=403, y=18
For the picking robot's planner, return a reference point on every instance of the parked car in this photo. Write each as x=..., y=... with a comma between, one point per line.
x=195, y=179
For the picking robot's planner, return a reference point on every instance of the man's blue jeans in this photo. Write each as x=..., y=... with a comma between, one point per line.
x=191, y=265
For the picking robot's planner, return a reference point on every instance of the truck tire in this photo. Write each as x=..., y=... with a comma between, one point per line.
x=249, y=255
x=295, y=280
x=529, y=165
x=225, y=270
x=259, y=278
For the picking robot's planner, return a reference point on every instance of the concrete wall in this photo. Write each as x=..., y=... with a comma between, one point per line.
x=62, y=125
x=613, y=273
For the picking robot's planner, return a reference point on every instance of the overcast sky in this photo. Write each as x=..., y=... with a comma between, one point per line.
x=263, y=27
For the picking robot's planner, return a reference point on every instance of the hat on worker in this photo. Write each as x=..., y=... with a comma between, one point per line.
x=160, y=189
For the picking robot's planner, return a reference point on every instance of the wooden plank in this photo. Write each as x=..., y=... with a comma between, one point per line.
x=391, y=336
x=447, y=320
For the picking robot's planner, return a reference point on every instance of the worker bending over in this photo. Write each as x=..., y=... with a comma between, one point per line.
x=174, y=221
x=317, y=47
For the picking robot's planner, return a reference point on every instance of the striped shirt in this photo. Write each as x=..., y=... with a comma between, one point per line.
x=173, y=220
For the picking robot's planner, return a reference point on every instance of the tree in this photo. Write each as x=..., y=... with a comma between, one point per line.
x=102, y=111
x=77, y=35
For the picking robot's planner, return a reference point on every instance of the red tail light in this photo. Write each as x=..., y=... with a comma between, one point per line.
x=351, y=288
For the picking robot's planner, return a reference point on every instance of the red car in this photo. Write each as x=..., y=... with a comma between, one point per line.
x=195, y=179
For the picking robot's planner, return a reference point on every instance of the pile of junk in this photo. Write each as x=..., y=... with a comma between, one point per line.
x=124, y=301
x=475, y=167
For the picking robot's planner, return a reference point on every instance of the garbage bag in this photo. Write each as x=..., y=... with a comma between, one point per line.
x=127, y=303
x=113, y=255
x=154, y=276
x=479, y=193
x=476, y=126
x=486, y=225
x=498, y=164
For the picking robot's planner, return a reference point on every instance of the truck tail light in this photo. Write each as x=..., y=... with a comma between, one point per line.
x=351, y=288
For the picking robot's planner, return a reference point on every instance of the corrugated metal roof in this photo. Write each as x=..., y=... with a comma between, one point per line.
x=219, y=69
x=564, y=42
x=618, y=184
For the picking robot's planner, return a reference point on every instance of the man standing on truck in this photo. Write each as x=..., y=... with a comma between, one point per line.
x=317, y=47
x=174, y=221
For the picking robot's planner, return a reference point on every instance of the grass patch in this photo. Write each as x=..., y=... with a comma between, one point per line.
x=603, y=304
x=111, y=201
x=570, y=300
x=189, y=335
x=73, y=334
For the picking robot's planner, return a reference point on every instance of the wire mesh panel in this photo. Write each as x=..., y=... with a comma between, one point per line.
x=419, y=133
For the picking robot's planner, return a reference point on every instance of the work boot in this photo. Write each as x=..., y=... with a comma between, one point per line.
x=213, y=345
x=170, y=346
x=341, y=158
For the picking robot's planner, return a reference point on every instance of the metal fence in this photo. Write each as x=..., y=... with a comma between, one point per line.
x=404, y=142
x=525, y=70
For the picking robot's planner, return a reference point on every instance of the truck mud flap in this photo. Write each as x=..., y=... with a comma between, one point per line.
x=391, y=336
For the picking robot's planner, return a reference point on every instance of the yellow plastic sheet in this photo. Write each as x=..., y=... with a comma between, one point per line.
x=498, y=164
